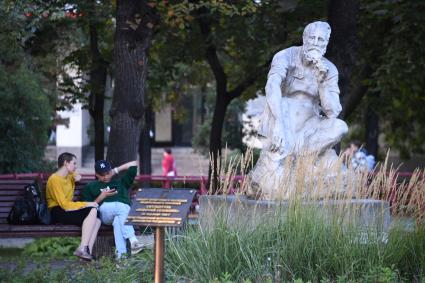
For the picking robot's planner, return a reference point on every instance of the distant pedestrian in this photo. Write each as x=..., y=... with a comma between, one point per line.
x=358, y=156
x=168, y=166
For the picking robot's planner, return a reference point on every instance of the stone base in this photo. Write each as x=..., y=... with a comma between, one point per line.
x=242, y=212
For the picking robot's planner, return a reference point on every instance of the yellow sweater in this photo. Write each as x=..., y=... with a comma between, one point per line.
x=60, y=192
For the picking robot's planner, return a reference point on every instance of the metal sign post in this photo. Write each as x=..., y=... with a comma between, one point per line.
x=159, y=254
x=160, y=208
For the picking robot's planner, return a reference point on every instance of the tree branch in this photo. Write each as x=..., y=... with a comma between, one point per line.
x=211, y=51
x=355, y=96
x=248, y=81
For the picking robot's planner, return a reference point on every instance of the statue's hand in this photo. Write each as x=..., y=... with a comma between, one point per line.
x=277, y=143
x=322, y=69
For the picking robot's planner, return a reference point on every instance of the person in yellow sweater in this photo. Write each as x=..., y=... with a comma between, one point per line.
x=59, y=196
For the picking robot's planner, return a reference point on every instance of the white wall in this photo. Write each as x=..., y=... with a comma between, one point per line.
x=75, y=135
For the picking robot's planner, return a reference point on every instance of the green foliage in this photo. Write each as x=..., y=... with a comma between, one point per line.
x=407, y=251
x=392, y=32
x=244, y=34
x=52, y=247
x=27, y=84
x=25, y=120
x=135, y=269
x=232, y=128
x=305, y=247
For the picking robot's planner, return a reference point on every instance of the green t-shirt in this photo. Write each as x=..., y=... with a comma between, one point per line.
x=92, y=190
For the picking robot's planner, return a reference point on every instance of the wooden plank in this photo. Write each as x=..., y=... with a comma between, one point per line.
x=5, y=209
x=6, y=203
x=10, y=198
x=11, y=193
x=3, y=217
x=20, y=231
x=16, y=182
x=47, y=228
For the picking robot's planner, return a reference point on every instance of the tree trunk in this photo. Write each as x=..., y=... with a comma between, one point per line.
x=98, y=73
x=145, y=146
x=97, y=95
x=134, y=23
x=343, y=44
x=221, y=103
x=372, y=127
x=224, y=97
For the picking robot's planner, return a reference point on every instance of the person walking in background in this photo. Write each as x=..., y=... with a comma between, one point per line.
x=59, y=196
x=168, y=167
x=113, y=198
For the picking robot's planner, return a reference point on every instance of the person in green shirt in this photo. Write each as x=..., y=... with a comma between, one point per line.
x=114, y=202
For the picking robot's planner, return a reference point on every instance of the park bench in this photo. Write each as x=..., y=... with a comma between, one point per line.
x=13, y=189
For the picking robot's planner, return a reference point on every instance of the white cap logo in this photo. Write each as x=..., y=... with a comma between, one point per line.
x=102, y=165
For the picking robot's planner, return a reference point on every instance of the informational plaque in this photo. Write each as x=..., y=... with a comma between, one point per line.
x=161, y=207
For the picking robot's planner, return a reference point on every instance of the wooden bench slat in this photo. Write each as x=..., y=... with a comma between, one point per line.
x=3, y=217
x=10, y=198
x=16, y=231
x=52, y=227
x=11, y=193
x=5, y=209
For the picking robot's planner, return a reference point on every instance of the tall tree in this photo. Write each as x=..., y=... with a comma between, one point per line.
x=387, y=88
x=237, y=40
x=135, y=21
x=24, y=109
x=98, y=74
x=343, y=17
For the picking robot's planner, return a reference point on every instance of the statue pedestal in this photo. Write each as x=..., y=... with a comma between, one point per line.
x=363, y=214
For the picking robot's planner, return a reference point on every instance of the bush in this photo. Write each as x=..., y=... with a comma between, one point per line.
x=24, y=120
x=52, y=247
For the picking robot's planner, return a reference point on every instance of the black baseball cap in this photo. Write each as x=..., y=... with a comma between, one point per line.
x=102, y=167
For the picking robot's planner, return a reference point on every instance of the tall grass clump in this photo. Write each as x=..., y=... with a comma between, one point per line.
x=311, y=231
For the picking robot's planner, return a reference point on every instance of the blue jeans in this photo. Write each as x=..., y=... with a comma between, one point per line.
x=116, y=213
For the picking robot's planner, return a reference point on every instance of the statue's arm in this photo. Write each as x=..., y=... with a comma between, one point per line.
x=329, y=95
x=276, y=134
x=275, y=77
x=274, y=96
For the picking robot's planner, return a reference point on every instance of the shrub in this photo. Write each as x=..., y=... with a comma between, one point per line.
x=25, y=114
x=52, y=247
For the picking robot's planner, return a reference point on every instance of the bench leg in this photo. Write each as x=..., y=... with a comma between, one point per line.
x=104, y=246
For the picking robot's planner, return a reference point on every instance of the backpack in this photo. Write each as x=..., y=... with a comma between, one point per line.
x=32, y=209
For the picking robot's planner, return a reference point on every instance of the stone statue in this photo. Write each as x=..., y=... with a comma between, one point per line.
x=301, y=109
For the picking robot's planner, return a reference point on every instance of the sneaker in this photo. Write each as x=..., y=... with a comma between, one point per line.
x=136, y=247
x=88, y=251
x=81, y=253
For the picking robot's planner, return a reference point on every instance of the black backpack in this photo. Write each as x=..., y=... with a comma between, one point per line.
x=32, y=209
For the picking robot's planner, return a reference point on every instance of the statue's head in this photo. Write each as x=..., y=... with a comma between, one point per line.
x=315, y=40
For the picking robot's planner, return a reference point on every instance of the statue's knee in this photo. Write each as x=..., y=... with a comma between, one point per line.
x=341, y=127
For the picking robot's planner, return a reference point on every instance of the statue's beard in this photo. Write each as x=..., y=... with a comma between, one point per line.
x=313, y=55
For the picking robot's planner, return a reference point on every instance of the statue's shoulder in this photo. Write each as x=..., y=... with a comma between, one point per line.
x=332, y=70
x=287, y=53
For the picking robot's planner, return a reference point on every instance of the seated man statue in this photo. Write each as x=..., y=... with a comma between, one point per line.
x=114, y=202
x=301, y=109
